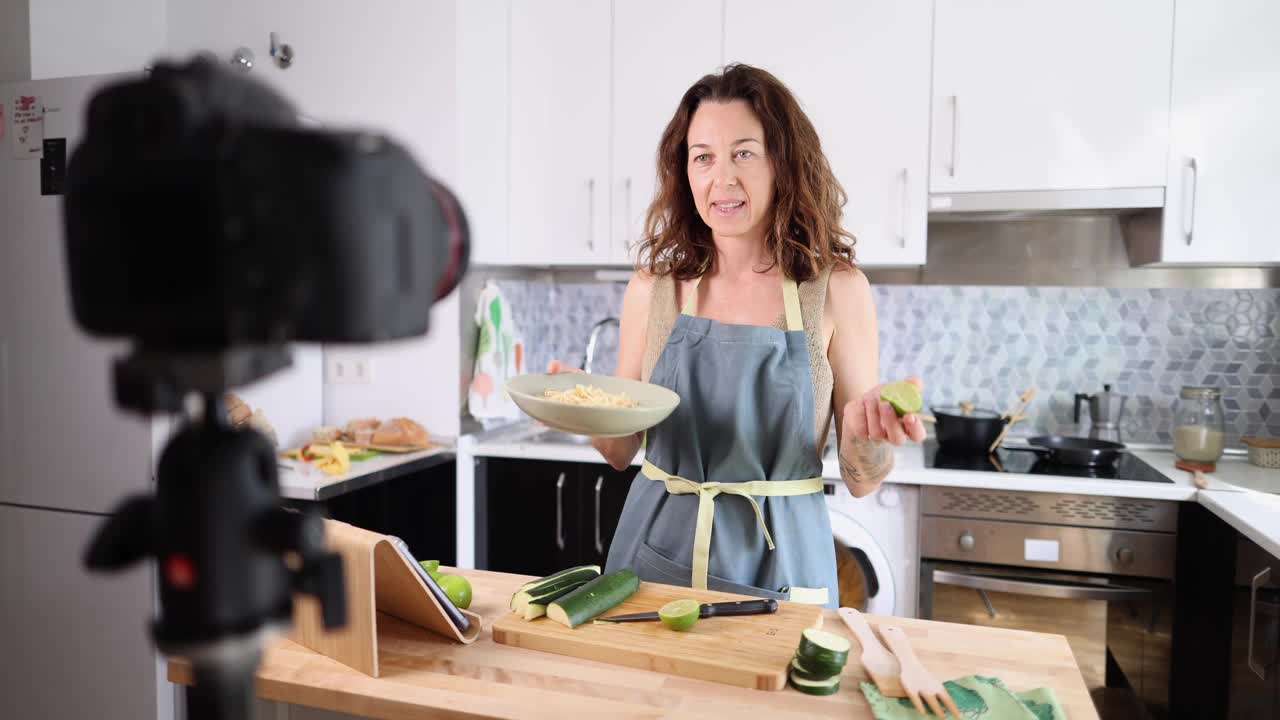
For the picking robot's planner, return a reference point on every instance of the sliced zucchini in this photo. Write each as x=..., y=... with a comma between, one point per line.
x=535, y=606
x=813, y=672
x=824, y=647
x=543, y=587
x=593, y=598
x=815, y=687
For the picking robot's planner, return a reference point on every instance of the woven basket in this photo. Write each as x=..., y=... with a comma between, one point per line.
x=1264, y=452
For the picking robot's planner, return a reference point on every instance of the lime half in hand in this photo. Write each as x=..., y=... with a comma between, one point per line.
x=903, y=395
x=680, y=614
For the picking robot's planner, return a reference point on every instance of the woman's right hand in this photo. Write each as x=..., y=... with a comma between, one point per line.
x=555, y=367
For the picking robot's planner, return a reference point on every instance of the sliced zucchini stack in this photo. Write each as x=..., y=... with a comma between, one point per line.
x=531, y=600
x=818, y=662
x=593, y=598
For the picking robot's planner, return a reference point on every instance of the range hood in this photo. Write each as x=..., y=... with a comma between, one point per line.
x=1031, y=203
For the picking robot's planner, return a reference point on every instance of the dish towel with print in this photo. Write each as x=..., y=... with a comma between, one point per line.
x=499, y=357
x=978, y=698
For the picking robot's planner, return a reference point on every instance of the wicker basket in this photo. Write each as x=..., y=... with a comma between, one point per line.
x=1264, y=452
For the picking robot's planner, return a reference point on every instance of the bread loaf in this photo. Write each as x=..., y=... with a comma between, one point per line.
x=400, y=431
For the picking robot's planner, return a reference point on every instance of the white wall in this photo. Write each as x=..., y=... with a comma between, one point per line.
x=15, y=41
x=91, y=37
x=387, y=64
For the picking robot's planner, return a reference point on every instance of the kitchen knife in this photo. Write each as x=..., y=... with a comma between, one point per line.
x=706, y=610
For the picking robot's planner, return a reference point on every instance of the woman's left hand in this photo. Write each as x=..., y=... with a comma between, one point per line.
x=871, y=418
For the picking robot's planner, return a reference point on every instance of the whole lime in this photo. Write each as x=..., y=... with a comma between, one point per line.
x=457, y=588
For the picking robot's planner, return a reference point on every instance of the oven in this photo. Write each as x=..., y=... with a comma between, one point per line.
x=1096, y=569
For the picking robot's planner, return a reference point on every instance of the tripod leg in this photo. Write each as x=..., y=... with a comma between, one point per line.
x=223, y=691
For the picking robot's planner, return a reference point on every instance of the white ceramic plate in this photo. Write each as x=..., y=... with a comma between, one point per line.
x=655, y=403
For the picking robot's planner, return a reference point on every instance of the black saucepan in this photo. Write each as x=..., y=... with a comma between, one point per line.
x=1088, y=452
x=974, y=432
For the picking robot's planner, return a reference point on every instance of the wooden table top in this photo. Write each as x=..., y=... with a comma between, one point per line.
x=427, y=676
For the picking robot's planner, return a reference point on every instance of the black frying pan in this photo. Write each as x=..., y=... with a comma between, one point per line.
x=1076, y=451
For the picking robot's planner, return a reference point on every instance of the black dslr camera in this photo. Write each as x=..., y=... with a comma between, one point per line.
x=207, y=226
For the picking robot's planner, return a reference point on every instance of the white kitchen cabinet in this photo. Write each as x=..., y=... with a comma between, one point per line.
x=861, y=72
x=1224, y=152
x=1051, y=95
x=660, y=48
x=483, y=97
x=559, y=176
x=75, y=645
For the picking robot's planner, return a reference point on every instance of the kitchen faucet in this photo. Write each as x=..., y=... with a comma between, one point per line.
x=588, y=359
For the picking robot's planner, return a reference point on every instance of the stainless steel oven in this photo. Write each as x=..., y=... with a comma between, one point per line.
x=1096, y=569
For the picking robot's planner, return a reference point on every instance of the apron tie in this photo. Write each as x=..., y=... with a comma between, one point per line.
x=707, y=493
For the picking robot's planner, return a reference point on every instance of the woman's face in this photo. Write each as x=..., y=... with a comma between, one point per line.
x=729, y=173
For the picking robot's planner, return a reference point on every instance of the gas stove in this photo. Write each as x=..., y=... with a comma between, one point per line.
x=1025, y=461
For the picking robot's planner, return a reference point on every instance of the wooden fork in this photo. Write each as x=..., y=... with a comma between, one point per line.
x=917, y=681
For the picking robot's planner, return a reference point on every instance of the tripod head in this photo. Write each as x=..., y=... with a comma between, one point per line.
x=210, y=229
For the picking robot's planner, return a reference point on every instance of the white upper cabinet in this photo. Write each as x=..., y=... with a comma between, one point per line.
x=559, y=178
x=861, y=72
x=1052, y=95
x=483, y=152
x=660, y=48
x=1224, y=159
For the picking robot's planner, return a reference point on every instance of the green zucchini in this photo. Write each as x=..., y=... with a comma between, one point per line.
x=533, y=606
x=545, y=587
x=809, y=671
x=594, y=598
x=824, y=647
x=585, y=572
x=815, y=687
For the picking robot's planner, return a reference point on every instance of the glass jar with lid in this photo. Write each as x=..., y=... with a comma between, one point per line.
x=1199, y=424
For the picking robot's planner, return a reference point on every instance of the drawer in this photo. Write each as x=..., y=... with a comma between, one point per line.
x=1094, y=550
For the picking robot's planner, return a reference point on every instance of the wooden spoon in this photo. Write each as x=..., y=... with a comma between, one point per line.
x=879, y=663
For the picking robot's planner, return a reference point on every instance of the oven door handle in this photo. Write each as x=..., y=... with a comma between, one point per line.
x=1065, y=591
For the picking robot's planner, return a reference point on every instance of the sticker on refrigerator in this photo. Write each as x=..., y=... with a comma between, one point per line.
x=27, y=127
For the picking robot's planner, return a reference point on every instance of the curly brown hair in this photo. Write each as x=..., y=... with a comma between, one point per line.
x=804, y=234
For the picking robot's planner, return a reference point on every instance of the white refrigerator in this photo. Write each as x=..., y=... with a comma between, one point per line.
x=72, y=644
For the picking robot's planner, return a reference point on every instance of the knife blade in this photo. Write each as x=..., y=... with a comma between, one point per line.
x=706, y=610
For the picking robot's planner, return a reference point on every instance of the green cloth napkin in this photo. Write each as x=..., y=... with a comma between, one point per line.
x=978, y=698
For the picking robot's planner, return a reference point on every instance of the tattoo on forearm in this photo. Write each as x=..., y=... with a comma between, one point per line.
x=866, y=460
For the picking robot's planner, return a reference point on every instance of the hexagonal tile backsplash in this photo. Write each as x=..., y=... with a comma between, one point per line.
x=988, y=344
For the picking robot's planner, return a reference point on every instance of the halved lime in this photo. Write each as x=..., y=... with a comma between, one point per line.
x=903, y=395
x=680, y=614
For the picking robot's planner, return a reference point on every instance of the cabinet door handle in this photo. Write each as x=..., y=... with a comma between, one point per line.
x=626, y=220
x=599, y=542
x=955, y=137
x=903, y=181
x=560, y=512
x=591, y=213
x=1258, y=580
x=1189, y=212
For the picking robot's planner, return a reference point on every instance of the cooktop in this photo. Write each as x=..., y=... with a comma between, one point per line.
x=1028, y=462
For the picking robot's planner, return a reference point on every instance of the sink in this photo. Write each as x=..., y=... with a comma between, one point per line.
x=556, y=437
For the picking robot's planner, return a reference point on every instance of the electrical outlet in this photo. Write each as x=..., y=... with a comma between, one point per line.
x=361, y=370
x=347, y=370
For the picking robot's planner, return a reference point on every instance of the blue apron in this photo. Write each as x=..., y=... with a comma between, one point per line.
x=730, y=495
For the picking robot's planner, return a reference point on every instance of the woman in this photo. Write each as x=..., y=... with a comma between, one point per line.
x=747, y=304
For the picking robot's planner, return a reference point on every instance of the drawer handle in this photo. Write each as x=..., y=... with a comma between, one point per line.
x=560, y=512
x=599, y=543
x=1257, y=582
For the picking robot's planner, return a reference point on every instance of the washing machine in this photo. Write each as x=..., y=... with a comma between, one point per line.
x=877, y=547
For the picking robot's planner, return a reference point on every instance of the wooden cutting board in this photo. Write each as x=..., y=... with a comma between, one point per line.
x=750, y=651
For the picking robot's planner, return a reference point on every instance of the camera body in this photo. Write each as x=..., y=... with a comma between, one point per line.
x=200, y=215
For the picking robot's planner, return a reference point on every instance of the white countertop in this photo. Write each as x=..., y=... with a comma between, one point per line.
x=1255, y=514
x=302, y=481
x=1233, y=492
